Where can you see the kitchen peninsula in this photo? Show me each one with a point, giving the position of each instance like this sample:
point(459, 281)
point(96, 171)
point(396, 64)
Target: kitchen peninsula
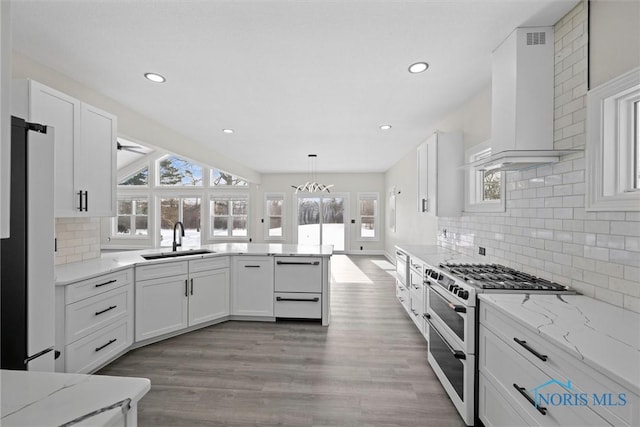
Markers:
point(124, 300)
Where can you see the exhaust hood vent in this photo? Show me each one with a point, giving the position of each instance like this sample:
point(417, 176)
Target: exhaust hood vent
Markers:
point(522, 102)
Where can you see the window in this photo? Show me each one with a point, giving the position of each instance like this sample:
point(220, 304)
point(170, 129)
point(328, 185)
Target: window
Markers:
point(132, 219)
point(138, 178)
point(229, 216)
point(613, 151)
point(274, 212)
point(174, 171)
point(484, 189)
point(220, 178)
point(184, 209)
point(368, 216)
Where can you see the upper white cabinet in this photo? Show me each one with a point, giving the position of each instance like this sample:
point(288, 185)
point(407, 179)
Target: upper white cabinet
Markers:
point(5, 116)
point(85, 148)
point(440, 178)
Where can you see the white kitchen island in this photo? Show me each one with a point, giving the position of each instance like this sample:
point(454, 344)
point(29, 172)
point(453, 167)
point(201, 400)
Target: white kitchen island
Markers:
point(54, 399)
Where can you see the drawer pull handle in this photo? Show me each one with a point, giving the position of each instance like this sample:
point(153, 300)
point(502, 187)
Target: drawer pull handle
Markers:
point(316, 299)
point(251, 266)
point(191, 286)
point(458, 354)
point(426, 316)
point(111, 341)
point(524, 344)
point(523, 391)
point(298, 263)
point(186, 288)
point(106, 283)
point(98, 313)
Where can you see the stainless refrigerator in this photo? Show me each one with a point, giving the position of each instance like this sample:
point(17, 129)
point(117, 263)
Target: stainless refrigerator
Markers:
point(27, 269)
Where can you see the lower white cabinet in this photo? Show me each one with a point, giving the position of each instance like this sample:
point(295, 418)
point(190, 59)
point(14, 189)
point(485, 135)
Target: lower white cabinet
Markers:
point(179, 294)
point(253, 286)
point(94, 321)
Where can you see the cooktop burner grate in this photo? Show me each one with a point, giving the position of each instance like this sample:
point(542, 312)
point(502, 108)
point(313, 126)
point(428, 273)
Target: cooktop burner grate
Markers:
point(496, 276)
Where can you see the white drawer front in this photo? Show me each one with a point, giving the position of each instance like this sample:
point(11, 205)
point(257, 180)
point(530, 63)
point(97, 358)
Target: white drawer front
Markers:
point(204, 264)
point(88, 353)
point(298, 274)
point(298, 305)
point(97, 285)
point(89, 315)
point(506, 369)
point(493, 409)
point(164, 269)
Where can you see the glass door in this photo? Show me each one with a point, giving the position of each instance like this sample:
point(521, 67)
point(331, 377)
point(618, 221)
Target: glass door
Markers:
point(321, 221)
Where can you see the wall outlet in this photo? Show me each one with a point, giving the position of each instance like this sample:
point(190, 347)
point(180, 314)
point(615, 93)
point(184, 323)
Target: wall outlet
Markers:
point(482, 251)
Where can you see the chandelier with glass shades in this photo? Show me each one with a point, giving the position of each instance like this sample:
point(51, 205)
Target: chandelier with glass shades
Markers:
point(312, 186)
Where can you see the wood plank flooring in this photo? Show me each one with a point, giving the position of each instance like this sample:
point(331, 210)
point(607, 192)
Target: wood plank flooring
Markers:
point(368, 368)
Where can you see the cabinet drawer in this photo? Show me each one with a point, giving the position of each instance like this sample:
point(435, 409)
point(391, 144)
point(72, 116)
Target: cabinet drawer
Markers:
point(86, 354)
point(493, 409)
point(204, 264)
point(164, 269)
point(560, 364)
point(89, 315)
point(298, 274)
point(298, 305)
point(90, 287)
point(506, 369)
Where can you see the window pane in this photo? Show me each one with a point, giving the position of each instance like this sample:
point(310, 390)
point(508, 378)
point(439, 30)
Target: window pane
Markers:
point(309, 221)
point(333, 222)
point(491, 186)
point(169, 214)
point(124, 225)
point(141, 226)
point(125, 207)
point(220, 207)
point(367, 226)
point(220, 226)
point(239, 226)
point(191, 220)
point(274, 207)
point(239, 207)
point(139, 178)
point(220, 178)
point(275, 227)
point(368, 207)
point(142, 207)
point(174, 171)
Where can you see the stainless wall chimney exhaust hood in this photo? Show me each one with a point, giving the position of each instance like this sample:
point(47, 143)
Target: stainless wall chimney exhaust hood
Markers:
point(522, 90)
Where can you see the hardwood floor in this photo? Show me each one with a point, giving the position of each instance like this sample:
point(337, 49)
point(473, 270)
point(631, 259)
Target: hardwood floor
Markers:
point(368, 368)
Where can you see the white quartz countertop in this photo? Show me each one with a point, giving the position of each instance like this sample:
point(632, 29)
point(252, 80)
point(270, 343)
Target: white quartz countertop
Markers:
point(603, 336)
point(51, 399)
point(114, 261)
point(434, 255)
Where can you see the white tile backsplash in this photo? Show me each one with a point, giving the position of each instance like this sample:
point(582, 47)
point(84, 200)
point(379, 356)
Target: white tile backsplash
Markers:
point(78, 239)
point(546, 230)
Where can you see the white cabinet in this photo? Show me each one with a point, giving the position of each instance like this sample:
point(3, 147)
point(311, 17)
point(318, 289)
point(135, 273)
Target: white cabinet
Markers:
point(298, 287)
point(440, 179)
point(253, 288)
point(5, 115)
point(175, 295)
point(85, 148)
point(94, 321)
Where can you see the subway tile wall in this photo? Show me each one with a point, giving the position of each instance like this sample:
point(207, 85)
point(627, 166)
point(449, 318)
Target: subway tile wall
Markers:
point(546, 230)
point(78, 239)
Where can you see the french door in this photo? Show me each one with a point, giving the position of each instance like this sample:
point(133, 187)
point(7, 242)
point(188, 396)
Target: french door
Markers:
point(321, 220)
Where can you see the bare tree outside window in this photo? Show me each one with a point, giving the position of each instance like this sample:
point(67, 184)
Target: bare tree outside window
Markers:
point(491, 185)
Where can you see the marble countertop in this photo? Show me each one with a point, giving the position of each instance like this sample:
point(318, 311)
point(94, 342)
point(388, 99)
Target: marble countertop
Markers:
point(52, 399)
point(433, 254)
point(603, 336)
point(114, 261)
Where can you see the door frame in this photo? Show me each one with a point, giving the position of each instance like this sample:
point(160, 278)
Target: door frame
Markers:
point(346, 204)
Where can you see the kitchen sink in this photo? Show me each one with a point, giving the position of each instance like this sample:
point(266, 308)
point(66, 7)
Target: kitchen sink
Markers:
point(161, 255)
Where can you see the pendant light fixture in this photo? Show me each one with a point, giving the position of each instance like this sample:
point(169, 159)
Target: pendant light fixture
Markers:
point(312, 185)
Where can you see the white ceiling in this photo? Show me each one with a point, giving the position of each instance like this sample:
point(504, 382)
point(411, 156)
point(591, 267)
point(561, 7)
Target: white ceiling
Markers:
point(290, 77)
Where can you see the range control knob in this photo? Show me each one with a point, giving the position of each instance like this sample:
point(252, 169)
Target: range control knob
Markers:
point(463, 294)
point(453, 288)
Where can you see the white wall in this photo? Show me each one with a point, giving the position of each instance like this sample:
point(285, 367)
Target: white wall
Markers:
point(546, 230)
point(351, 184)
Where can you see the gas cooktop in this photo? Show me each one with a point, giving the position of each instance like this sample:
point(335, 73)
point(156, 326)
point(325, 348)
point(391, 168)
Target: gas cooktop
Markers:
point(496, 276)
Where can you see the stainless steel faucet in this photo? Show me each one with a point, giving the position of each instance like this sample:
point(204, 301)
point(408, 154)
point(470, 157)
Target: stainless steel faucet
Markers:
point(175, 242)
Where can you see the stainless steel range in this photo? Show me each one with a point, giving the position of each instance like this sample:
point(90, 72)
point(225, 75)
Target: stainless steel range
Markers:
point(450, 312)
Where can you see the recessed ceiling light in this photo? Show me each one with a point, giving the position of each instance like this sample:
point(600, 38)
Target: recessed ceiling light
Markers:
point(156, 78)
point(227, 130)
point(418, 67)
point(385, 127)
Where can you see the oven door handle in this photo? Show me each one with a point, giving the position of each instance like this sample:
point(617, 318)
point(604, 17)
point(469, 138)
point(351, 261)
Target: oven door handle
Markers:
point(458, 354)
point(452, 306)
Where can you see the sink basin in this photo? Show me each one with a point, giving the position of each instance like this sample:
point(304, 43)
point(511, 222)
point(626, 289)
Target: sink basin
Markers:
point(161, 255)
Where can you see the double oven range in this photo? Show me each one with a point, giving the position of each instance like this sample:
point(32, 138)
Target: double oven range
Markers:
point(451, 316)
